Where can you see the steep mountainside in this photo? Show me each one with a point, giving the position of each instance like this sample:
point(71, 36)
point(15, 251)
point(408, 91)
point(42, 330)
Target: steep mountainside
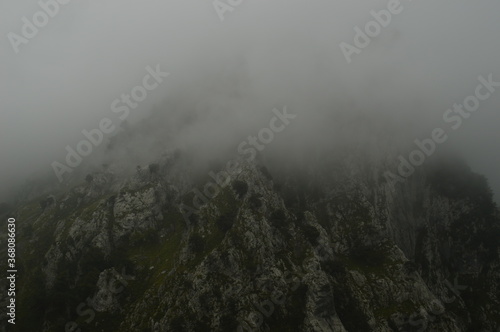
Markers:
point(344, 250)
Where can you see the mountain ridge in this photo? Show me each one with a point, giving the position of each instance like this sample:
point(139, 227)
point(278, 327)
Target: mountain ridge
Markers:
point(272, 251)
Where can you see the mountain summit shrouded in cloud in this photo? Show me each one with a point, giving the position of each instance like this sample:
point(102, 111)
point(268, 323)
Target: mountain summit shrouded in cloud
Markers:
point(235, 165)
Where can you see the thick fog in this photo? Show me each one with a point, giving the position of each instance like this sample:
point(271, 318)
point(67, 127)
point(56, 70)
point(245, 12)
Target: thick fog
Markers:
point(230, 63)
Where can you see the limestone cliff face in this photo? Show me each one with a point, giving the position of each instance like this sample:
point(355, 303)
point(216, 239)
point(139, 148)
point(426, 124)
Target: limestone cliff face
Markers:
point(348, 251)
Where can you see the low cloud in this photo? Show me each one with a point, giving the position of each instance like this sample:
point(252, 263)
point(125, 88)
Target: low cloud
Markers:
point(228, 75)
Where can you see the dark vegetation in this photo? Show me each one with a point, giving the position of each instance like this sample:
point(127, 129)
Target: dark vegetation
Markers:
point(333, 267)
point(46, 202)
point(311, 234)
point(455, 180)
point(278, 218)
point(255, 201)
point(153, 168)
point(197, 243)
point(89, 178)
point(369, 256)
point(225, 221)
point(290, 316)
point(241, 188)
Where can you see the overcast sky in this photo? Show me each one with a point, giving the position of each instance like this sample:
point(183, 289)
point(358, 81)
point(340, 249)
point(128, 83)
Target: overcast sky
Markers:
point(65, 78)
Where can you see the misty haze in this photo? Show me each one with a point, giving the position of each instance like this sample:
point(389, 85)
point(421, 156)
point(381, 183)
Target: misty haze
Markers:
point(235, 165)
